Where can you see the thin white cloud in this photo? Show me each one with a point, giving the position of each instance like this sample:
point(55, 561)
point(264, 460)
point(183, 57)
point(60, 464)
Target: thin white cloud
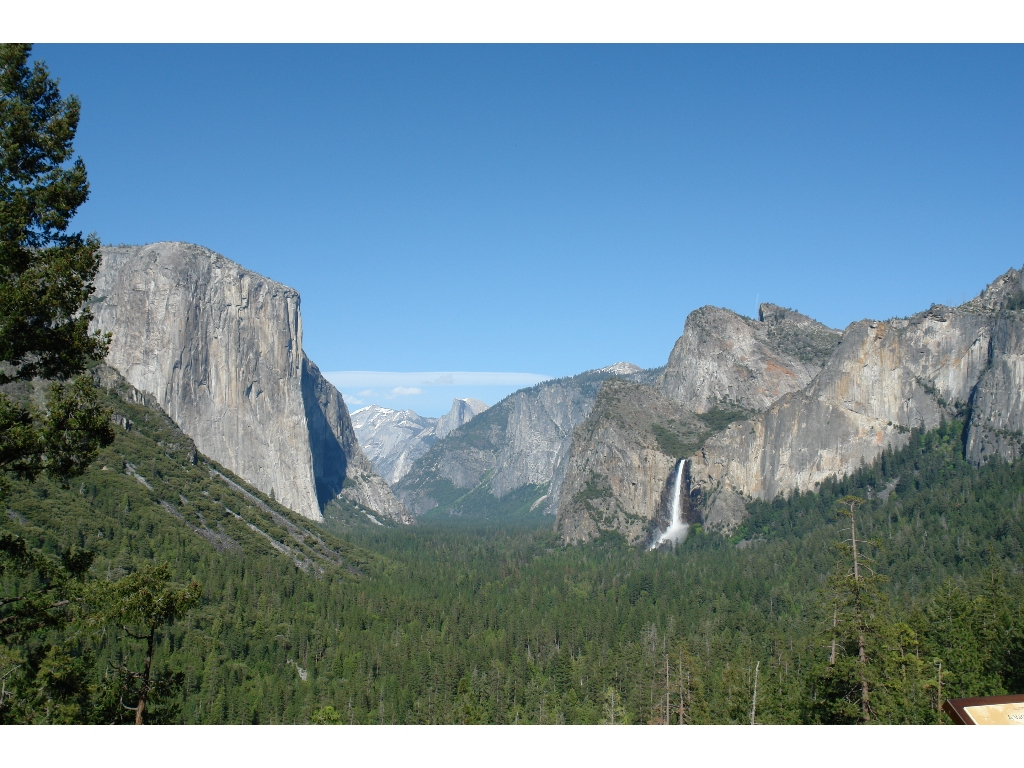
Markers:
point(394, 380)
point(397, 391)
point(352, 399)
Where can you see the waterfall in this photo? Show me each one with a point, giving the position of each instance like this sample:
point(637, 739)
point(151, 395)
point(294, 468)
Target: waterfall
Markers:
point(677, 527)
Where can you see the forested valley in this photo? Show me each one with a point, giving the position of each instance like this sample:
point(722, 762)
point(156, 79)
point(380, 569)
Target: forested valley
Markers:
point(479, 621)
point(142, 582)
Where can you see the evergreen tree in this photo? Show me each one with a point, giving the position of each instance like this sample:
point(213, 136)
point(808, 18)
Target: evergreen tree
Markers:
point(141, 604)
point(326, 716)
point(856, 624)
point(46, 279)
point(42, 679)
point(614, 713)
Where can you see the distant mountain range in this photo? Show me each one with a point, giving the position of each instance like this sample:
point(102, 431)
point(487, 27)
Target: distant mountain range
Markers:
point(509, 458)
point(393, 440)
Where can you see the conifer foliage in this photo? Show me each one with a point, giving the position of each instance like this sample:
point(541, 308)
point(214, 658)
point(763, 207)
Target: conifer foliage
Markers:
point(46, 276)
point(46, 280)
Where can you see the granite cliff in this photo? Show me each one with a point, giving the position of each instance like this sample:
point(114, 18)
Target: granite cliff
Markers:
point(623, 455)
point(393, 440)
point(723, 368)
point(787, 402)
point(220, 349)
point(884, 379)
point(726, 360)
point(462, 412)
point(512, 452)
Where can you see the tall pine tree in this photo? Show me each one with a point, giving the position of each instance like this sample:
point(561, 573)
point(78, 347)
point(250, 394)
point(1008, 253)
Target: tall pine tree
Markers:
point(46, 278)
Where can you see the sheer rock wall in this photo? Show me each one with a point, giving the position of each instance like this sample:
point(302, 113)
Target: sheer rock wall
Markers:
point(818, 403)
point(618, 472)
point(725, 359)
point(623, 457)
point(523, 440)
point(884, 379)
point(220, 348)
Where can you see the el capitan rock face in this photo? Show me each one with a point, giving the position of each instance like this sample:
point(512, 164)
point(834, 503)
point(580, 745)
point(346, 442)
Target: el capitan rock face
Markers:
point(220, 348)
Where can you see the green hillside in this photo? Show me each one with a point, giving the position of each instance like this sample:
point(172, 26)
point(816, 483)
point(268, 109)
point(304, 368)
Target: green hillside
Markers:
point(485, 620)
point(503, 625)
point(271, 580)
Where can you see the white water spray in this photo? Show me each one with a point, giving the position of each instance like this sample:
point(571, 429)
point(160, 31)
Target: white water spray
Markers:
point(677, 528)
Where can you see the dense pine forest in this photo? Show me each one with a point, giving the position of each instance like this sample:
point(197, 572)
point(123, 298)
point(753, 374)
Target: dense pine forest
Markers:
point(484, 621)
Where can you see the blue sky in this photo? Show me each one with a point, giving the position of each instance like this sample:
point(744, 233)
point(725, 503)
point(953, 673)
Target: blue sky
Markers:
point(554, 209)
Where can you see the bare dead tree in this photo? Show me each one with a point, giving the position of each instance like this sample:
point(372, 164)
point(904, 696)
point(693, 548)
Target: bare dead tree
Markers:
point(668, 694)
point(848, 505)
point(753, 703)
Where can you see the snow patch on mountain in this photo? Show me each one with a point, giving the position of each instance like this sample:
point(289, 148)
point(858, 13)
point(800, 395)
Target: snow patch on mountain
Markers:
point(393, 440)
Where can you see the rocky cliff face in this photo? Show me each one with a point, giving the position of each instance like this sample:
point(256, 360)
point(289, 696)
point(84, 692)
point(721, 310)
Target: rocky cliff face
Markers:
point(462, 412)
point(520, 442)
point(726, 360)
point(622, 461)
point(393, 440)
point(340, 467)
point(814, 407)
point(997, 405)
point(220, 348)
point(884, 379)
point(722, 368)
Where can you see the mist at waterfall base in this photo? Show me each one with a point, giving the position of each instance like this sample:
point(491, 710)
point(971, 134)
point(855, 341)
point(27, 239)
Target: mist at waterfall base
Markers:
point(677, 528)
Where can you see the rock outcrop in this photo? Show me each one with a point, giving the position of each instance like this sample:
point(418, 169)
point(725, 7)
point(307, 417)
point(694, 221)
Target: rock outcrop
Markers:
point(723, 368)
point(621, 464)
point(220, 348)
point(462, 412)
point(884, 379)
point(520, 442)
point(997, 404)
point(815, 405)
point(621, 369)
point(726, 360)
point(393, 440)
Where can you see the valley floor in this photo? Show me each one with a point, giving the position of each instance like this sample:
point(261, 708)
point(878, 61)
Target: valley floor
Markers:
point(475, 620)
